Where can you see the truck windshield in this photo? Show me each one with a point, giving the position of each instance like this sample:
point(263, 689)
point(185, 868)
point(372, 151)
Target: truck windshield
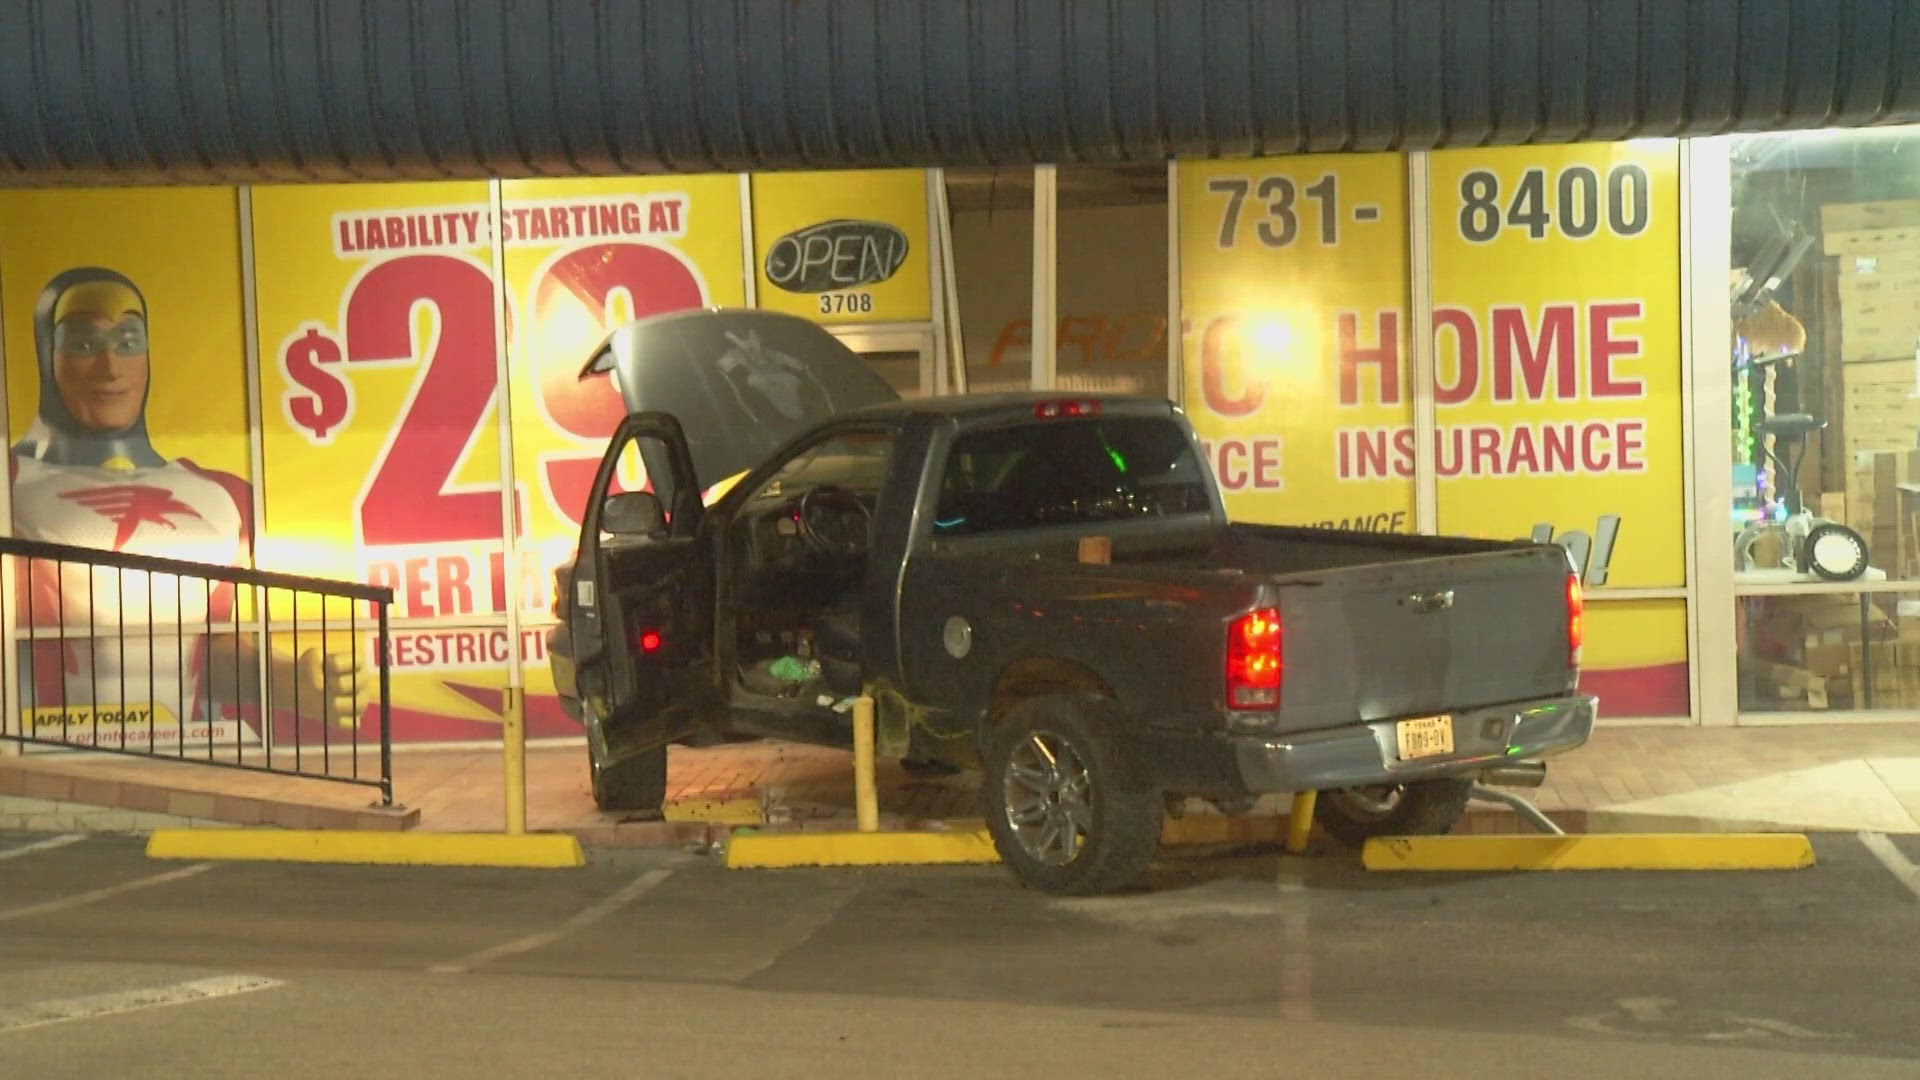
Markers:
point(1068, 472)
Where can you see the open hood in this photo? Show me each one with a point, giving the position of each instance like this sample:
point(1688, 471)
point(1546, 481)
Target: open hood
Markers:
point(741, 383)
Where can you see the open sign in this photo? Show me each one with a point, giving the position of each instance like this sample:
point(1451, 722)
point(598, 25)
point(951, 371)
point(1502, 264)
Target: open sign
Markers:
point(835, 255)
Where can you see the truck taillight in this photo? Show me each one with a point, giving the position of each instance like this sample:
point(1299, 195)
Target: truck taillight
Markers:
point(1253, 660)
point(1053, 410)
point(1576, 613)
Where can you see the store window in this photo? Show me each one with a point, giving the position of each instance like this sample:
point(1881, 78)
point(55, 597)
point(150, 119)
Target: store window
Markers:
point(1111, 241)
point(1826, 317)
point(1825, 416)
point(991, 212)
point(1848, 652)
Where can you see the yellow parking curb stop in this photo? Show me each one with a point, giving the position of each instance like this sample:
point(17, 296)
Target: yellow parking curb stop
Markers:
point(714, 811)
point(529, 850)
point(1591, 851)
point(772, 850)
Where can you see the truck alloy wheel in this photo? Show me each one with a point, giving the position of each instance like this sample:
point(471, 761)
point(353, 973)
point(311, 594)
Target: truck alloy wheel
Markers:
point(1415, 808)
point(1067, 811)
point(1048, 800)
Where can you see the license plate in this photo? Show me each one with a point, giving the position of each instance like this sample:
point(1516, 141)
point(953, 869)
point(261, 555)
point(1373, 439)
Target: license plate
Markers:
point(1427, 736)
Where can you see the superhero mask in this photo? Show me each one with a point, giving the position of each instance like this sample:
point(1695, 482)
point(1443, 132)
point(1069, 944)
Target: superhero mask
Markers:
point(94, 322)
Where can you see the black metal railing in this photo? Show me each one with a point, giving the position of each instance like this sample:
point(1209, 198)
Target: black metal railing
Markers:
point(218, 665)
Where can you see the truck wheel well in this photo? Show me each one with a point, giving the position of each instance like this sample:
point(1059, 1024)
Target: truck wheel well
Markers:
point(1039, 676)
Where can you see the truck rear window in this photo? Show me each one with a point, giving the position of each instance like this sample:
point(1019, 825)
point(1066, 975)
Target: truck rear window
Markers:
point(1068, 472)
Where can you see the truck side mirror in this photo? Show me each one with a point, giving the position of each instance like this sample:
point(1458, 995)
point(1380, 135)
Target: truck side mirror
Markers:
point(633, 513)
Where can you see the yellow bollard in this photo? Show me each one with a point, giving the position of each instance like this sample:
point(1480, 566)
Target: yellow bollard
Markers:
point(1300, 821)
point(513, 741)
point(866, 801)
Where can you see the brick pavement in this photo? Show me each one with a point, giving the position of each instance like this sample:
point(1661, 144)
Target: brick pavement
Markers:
point(1864, 776)
point(1814, 776)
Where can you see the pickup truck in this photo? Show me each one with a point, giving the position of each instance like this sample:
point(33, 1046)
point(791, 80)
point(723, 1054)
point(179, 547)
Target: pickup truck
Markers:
point(1048, 589)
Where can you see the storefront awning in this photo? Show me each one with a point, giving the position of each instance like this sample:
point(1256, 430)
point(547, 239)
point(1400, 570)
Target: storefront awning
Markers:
point(196, 90)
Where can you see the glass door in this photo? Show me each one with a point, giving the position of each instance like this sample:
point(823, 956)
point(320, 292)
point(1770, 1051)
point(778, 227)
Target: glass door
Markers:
point(901, 355)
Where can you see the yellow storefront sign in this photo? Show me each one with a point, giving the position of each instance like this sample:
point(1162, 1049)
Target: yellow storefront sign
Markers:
point(843, 247)
point(126, 398)
point(1556, 287)
point(381, 390)
point(566, 293)
point(1293, 286)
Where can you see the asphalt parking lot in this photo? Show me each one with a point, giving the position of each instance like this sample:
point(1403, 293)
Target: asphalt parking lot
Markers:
point(111, 963)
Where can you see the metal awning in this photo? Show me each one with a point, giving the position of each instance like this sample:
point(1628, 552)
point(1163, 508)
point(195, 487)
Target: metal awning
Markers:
point(93, 91)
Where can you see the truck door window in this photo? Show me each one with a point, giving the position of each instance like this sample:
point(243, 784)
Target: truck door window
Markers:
point(820, 503)
point(1068, 472)
point(631, 474)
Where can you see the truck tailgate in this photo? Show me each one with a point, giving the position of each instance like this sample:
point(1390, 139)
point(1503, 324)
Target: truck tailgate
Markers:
point(1423, 636)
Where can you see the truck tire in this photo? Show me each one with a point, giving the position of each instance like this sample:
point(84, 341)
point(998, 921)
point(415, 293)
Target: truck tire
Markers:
point(1068, 810)
point(1416, 808)
point(633, 783)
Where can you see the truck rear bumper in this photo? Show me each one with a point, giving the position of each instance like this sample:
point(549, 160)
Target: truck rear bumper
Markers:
point(1369, 753)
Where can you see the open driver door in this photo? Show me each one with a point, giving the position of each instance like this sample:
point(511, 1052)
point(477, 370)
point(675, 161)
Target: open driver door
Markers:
point(641, 613)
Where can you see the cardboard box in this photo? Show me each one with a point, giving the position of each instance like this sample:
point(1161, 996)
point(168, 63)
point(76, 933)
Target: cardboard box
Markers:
point(1830, 660)
point(1877, 264)
point(1844, 616)
point(1867, 216)
point(1873, 498)
point(1839, 694)
point(1861, 506)
point(1886, 338)
point(1878, 315)
point(1877, 418)
point(1891, 241)
point(1901, 371)
point(1893, 400)
point(1799, 623)
point(1877, 286)
point(1889, 471)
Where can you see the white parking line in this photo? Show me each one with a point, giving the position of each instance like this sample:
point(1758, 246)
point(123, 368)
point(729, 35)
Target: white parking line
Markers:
point(585, 918)
point(74, 901)
point(42, 845)
point(1894, 860)
point(42, 1013)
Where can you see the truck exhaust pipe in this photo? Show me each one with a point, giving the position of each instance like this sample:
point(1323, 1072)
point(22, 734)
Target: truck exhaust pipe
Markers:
point(1515, 774)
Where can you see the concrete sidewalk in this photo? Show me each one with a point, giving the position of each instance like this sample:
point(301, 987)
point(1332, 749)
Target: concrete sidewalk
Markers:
point(1811, 777)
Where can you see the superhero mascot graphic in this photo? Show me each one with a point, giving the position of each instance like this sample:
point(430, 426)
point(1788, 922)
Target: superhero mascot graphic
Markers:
point(135, 655)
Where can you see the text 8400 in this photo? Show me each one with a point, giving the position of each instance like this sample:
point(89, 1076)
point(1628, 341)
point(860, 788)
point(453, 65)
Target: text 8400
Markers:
point(1575, 207)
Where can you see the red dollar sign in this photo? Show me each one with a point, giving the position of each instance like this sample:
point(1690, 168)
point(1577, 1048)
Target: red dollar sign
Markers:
point(326, 404)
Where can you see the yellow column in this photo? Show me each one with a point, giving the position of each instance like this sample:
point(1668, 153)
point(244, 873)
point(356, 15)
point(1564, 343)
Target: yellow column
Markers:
point(1300, 821)
point(513, 719)
point(513, 738)
point(865, 799)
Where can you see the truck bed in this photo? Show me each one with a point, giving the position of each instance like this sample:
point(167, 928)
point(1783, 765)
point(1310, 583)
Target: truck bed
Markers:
point(1375, 626)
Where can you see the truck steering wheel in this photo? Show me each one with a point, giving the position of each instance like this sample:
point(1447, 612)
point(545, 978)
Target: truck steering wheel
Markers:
point(833, 520)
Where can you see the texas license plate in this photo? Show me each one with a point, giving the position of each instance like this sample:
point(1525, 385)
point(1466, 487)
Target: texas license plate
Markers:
point(1426, 736)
